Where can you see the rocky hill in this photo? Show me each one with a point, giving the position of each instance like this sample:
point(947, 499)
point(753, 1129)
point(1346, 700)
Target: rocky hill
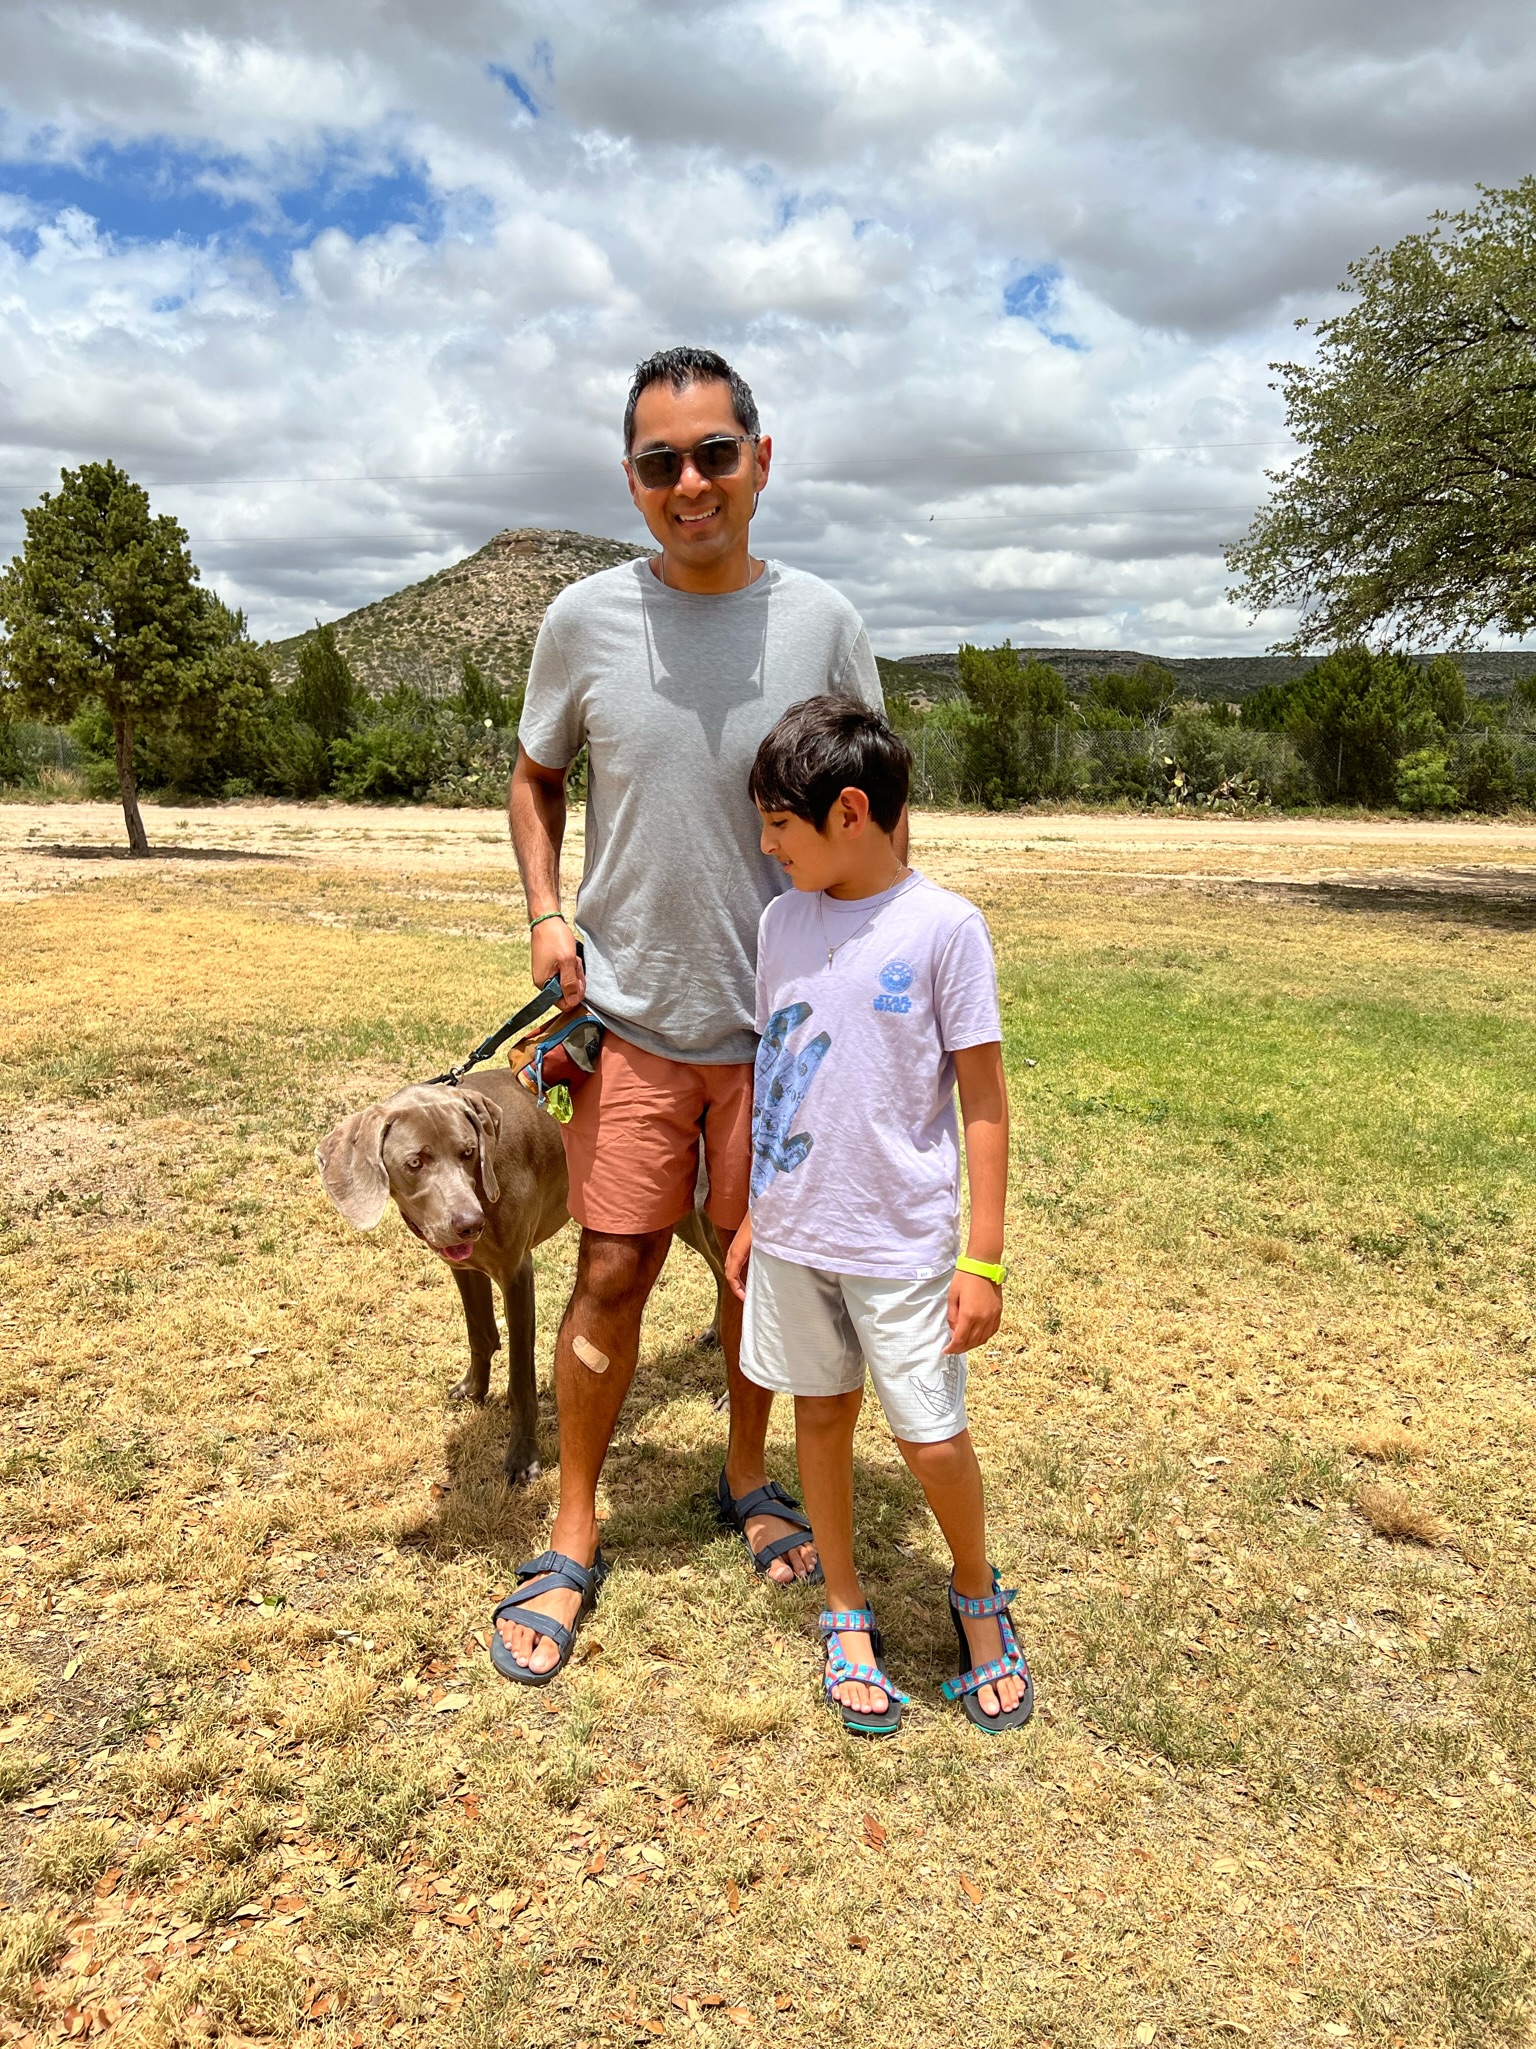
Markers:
point(488, 605)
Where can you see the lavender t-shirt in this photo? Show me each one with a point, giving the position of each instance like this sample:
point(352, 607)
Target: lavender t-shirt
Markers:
point(855, 1152)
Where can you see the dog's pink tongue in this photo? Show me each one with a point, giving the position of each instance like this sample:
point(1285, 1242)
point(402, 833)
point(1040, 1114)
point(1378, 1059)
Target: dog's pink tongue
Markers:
point(457, 1253)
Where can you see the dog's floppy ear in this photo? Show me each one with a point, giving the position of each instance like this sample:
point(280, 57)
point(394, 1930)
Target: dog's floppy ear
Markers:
point(487, 1116)
point(351, 1160)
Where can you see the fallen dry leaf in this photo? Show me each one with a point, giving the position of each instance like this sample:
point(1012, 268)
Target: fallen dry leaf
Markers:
point(874, 1833)
point(971, 1889)
point(733, 1896)
point(858, 1942)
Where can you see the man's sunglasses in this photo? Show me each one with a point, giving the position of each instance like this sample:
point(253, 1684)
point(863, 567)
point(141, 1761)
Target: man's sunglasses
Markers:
point(658, 469)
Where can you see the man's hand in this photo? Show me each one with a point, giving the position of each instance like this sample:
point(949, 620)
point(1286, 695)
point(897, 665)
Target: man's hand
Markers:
point(552, 946)
point(975, 1311)
point(738, 1252)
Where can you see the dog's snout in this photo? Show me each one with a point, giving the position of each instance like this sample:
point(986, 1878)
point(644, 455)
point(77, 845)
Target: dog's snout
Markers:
point(468, 1223)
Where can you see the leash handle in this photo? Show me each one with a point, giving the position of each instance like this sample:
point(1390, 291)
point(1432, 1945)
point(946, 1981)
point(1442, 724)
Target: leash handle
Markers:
point(548, 998)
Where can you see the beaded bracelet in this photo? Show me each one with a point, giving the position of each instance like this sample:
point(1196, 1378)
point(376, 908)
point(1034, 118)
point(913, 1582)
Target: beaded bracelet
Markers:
point(544, 917)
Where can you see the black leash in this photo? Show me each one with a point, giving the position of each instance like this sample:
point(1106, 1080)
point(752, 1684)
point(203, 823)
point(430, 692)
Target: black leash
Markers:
point(548, 998)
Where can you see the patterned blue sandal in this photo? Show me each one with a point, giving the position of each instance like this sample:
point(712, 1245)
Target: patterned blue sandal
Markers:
point(550, 1572)
point(770, 1500)
point(858, 1721)
point(971, 1678)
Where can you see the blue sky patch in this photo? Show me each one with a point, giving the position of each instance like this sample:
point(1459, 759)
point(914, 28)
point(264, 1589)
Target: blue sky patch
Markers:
point(157, 192)
point(1032, 297)
point(514, 85)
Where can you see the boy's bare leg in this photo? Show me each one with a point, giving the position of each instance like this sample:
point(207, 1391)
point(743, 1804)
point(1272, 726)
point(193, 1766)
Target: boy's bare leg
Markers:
point(614, 1278)
point(824, 1427)
point(949, 1475)
point(745, 1468)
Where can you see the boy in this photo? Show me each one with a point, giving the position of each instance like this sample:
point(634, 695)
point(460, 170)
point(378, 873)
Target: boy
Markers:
point(876, 995)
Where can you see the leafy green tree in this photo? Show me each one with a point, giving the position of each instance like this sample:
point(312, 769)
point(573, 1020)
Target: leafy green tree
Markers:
point(104, 603)
point(325, 694)
point(1349, 719)
point(1147, 694)
point(1012, 735)
point(1410, 515)
point(480, 702)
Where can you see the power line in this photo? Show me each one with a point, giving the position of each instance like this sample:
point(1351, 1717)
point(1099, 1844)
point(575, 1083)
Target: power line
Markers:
point(566, 468)
point(1060, 517)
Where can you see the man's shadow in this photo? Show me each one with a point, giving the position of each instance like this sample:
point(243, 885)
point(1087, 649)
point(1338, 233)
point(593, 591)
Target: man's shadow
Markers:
point(662, 1509)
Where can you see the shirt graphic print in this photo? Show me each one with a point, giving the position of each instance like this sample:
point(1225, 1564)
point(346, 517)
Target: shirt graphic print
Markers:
point(778, 1089)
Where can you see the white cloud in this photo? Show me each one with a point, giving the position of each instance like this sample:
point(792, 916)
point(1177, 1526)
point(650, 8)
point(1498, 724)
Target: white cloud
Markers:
point(330, 246)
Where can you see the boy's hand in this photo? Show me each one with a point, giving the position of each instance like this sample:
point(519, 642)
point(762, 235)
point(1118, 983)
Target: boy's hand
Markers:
point(738, 1252)
point(975, 1310)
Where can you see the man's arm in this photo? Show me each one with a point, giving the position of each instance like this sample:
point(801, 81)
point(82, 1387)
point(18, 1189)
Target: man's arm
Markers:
point(536, 815)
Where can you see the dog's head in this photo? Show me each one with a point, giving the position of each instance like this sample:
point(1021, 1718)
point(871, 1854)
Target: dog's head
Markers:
point(431, 1148)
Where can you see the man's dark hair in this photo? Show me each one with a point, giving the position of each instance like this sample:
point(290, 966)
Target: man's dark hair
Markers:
point(824, 746)
point(682, 367)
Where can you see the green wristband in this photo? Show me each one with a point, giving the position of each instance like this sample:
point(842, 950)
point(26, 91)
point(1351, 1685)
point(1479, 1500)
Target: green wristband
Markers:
point(544, 917)
point(996, 1274)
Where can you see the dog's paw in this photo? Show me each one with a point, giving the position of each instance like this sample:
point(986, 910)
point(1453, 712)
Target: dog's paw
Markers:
point(469, 1390)
point(708, 1340)
point(521, 1471)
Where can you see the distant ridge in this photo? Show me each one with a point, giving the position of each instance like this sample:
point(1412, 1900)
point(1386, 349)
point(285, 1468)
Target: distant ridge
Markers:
point(1217, 679)
point(488, 605)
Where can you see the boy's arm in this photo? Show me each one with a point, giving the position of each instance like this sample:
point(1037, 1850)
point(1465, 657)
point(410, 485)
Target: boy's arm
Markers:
point(737, 1253)
point(976, 1304)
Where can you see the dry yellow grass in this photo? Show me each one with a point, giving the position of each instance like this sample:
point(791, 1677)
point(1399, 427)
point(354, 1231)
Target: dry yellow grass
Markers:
point(1273, 1184)
point(1398, 1517)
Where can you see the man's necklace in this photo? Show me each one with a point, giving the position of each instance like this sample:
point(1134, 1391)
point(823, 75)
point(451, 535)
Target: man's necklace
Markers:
point(837, 946)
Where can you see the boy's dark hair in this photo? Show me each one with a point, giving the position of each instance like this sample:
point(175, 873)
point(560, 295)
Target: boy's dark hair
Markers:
point(682, 367)
point(824, 746)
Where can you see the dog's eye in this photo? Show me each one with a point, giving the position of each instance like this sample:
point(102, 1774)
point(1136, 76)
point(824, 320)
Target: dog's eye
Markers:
point(413, 1164)
point(468, 1153)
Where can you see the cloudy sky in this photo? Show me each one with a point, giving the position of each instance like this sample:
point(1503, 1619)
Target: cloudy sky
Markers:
point(352, 286)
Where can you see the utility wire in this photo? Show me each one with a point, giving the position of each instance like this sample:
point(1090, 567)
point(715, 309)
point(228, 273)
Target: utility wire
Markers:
point(585, 464)
point(1087, 517)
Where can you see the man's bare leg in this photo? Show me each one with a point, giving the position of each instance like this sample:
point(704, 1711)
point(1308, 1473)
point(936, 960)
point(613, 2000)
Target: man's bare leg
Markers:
point(614, 1278)
point(744, 1450)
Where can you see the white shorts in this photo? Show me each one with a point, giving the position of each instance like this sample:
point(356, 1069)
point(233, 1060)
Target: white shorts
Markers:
point(812, 1333)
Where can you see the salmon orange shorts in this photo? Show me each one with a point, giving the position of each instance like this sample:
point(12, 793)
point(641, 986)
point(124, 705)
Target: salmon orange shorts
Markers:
point(632, 1145)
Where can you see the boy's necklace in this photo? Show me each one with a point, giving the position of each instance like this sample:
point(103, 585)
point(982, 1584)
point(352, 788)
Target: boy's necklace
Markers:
point(821, 912)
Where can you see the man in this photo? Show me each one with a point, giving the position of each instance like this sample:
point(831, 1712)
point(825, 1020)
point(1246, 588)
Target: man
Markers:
point(670, 671)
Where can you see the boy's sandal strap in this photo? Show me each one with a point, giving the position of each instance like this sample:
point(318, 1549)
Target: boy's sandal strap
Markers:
point(833, 1621)
point(995, 1603)
point(840, 1670)
point(1010, 1667)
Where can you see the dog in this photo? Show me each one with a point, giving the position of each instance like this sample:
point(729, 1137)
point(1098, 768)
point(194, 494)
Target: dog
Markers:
point(478, 1173)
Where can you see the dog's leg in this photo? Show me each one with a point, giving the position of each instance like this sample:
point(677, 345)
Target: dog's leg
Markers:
point(696, 1230)
point(484, 1338)
point(522, 1376)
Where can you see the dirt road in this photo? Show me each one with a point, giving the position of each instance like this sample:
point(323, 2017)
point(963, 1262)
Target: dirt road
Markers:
point(50, 846)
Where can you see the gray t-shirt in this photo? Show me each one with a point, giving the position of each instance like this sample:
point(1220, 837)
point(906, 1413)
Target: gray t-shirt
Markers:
point(672, 694)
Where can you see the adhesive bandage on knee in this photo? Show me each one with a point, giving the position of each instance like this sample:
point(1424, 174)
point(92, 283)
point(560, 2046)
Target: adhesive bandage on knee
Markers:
point(590, 1357)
